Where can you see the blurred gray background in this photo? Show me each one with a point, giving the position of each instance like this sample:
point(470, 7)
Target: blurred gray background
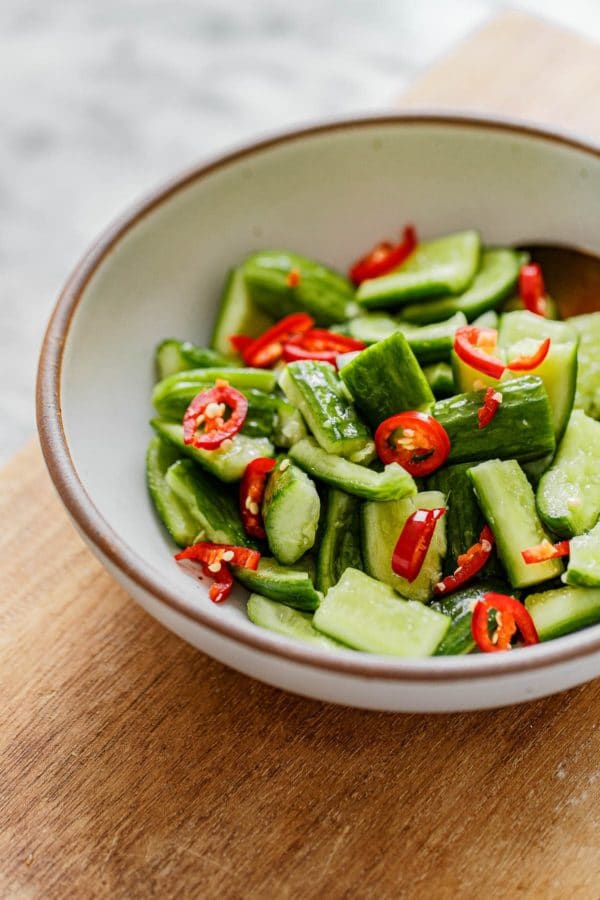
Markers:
point(99, 101)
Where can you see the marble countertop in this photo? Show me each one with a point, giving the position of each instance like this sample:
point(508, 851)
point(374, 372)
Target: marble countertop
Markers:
point(101, 101)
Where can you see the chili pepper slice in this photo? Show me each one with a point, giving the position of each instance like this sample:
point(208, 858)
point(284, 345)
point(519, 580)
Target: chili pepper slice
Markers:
point(532, 290)
point(222, 582)
point(526, 363)
point(510, 617)
point(214, 559)
point(491, 403)
point(293, 279)
point(412, 545)
point(545, 550)
point(384, 257)
point(415, 440)
point(207, 411)
point(252, 491)
point(268, 348)
point(475, 346)
point(240, 342)
point(469, 564)
point(318, 343)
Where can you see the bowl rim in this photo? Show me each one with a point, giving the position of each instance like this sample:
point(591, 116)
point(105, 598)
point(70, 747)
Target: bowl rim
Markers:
point(103, 538)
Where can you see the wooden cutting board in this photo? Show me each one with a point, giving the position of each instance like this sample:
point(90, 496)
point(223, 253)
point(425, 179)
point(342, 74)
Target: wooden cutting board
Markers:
point(134, 766)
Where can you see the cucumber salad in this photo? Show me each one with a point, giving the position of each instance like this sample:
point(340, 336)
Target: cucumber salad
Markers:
point(404, 460)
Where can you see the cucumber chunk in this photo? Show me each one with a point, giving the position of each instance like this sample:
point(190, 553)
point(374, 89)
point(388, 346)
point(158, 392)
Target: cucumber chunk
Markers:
point(290, 426)
point(587, 396)
point(178, 518)
point(290, 511)
point(583, 568)
point(174, 356)
point(291, 585)
point(324, 294)
point(289, 622)
point(445, 265)
point(261, 418)
point(237, 315)
point(440, 379)
point(519, 324)
point(386, 379)
point(433, 343)
point(339, 544)
point(459, 606)
point(173, 391)
point(508, 504)
point(521, 429)
point(315, 389)
point(563, 610)
point(381, 526)
point(370, 327)
point(392, 483)
point(494, 281)
point(227, 463)
point(489, 319)
point(214, 508)
point(568, 495)
point(368, 615)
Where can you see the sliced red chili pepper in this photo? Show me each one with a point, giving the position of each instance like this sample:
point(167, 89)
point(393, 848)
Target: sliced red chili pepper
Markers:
point(268, 348)
point(222, 582)
point(532, 290)
point(469, 564)
point(252, 491)
point(510, 616)
point(412, 545)
point(318, 343)
point(293, 279)
point(384, 257)
point(214, 560)
point(545, 550)
point(526, 363)
point(240, 342)
point(475, 346)
point(491, 403)
point(415, 440)
point(207, 411)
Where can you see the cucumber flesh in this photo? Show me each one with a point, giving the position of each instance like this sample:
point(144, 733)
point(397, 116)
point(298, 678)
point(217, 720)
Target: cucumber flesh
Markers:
point(339, 543)
point(587, 396)
point(227, 463)
point(440, 379)
point(289, 425)
point(519, 324)
point(178, 518)
point(371, 327)
point(459, 606)
point(568, 495)
point(445, 265)
point(563, 610)
point(489, 319)
point(381, 526)
point(393, 482)
point(583, 568)
point(507, 501)
point(290, 623)
point(367, 615)
point(290, 511)
point(237, 315)
point(291, 585)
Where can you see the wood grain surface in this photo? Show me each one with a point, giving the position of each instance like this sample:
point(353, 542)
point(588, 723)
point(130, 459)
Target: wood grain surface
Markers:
point(134, 766)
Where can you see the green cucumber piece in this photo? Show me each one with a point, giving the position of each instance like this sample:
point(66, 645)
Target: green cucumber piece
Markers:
point(386, 379)
point(508, 504)
point(176, 388)
point(459, 607)
point(368, 615)
point(237, 315)
point(489, 319)
point(392, 483)
point(290, 511)
point(563, 610)
point(339, 540)
point(587, 396)
point(324, 294)
point(370, 327)
point(583, 568)
point(228, 463)
point(289, 622)
point(291, 585)
point(290, 426)
point(433, 343)
point(445, 265)
point(215, 509)
point(178, 518)
point(382, 524)
point(468, 379)
point(519, 324)
point(261, 418)
point(494, 281)
point(316, 390)
point(568, 495)
point(440, 380)
point(521, 429)
point(174, 356)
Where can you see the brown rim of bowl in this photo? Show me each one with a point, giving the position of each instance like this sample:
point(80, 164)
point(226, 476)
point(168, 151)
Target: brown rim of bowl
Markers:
point(102, 537)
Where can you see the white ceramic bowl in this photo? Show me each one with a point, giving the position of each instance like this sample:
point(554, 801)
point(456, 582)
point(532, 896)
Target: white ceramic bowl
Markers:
point(328, 192)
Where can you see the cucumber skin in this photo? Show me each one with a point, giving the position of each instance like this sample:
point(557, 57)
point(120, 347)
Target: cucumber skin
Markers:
point(587, 395)
point(176, 517)
point(521, 429)
point(440, 379)
point(197, 380)
point(237, 314)
point(386, 379)
point(433, 343)
point(173, 356)
point(459, 606)
point(339, 539)
point(298, 592)
point(564, 610)
point(290, 539)
point(291, 623)
point(324, 294)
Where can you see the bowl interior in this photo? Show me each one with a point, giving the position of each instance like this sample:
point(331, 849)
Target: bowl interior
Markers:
point(329, 194)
